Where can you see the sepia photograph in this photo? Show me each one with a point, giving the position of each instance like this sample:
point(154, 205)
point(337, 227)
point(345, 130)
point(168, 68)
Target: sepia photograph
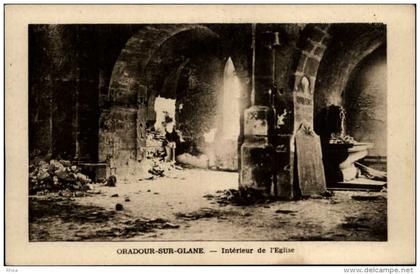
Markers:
point(209, 134)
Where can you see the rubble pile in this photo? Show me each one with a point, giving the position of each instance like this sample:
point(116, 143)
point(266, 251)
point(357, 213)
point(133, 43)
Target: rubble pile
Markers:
point(156, 168)
point(55, 176)
point(155, 163)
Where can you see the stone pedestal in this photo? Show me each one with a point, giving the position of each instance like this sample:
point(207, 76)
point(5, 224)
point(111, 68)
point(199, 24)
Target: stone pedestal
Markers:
point(256, 172)
point(281, 155)
point(256, 151)
point(283, 168)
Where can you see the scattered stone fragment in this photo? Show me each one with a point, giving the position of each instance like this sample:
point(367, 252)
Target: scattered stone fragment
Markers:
point(202, 213)
point(236, 197)
point(119, 207)
point(115, 195)
point(148, 190)
point(285, 211)
point(79, 194)
point(332, 201)
point(127, 199)
point(170, 225)
point(206, 212)
point(82, 178)
point(328, 193)
point(65, 163)
point(111, 181)
point(316, 196)
point(156, 193)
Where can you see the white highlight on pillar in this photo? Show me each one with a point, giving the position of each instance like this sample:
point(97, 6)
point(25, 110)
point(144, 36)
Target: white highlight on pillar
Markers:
point(231, 95)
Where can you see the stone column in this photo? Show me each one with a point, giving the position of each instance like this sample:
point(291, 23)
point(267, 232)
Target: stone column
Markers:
point(280, 155)
point(256, 151)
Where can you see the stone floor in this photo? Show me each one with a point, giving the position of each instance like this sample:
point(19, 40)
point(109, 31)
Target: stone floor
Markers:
point(180, 207)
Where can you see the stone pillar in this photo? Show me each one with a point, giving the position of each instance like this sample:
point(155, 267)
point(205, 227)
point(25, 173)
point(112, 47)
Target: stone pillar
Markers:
point(280, 155)
point(256, 151)
point(141, 120)
point(53, 82)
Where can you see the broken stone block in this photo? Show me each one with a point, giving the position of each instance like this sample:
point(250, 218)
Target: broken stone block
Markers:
point(64, 175)
point(82, 178)
point(55, 165)
point(169, 225)
point(119, 207)
point(285, 211)
point(111, 181)
point(65, 163)
point(42, 175)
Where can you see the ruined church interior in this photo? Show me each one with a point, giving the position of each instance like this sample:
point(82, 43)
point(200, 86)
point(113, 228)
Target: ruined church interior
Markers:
point(208, 132)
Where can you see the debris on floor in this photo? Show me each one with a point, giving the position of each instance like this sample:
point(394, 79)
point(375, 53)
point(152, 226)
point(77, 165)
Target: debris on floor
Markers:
point(61, 219)
point(250, 196)
point(111, 181)
point(119, 207)
point(199, 214)
point(368, 197)
point(156, 163)
point(95, 218)
point(357, 223)
point(286, 211)
point(156, 168)
point(236, 197)
point(206, 212)
point(55, 176)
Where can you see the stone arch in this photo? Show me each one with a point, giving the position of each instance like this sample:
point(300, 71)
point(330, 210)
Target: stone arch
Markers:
point(310, 50)
point(364, 101)
point(129, 73)
point(122, 127)
point(350, 44)
point(311, 43)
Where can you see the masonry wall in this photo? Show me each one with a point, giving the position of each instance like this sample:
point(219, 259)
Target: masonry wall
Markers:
point(53, 82)
point(69, 71)
point(365, 101)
